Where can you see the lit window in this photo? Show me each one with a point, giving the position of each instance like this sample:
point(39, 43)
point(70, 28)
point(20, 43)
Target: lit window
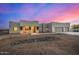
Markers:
point(15, 29)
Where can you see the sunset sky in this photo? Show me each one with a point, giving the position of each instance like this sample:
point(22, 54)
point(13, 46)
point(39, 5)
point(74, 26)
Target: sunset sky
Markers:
point(42, 12)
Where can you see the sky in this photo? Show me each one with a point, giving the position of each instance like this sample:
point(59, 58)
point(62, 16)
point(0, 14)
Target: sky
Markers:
point(42, 12)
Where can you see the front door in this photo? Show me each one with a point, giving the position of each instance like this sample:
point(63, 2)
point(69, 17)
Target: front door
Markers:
point(26, 29)
point(34, 29)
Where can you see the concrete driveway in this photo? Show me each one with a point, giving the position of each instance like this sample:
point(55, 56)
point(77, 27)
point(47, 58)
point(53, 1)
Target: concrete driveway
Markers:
point(71, 33)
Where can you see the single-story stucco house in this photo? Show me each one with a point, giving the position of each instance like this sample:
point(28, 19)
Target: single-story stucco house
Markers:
point(36, 27)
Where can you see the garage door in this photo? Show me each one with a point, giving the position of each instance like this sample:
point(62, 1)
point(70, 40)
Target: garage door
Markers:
point(58, 29)
point(66, 29)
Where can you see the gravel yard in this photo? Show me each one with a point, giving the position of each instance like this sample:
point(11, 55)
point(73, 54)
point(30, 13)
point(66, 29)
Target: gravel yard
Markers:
point(43, 44)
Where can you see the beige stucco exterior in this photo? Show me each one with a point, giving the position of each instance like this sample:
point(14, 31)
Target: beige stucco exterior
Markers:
point(36, 27)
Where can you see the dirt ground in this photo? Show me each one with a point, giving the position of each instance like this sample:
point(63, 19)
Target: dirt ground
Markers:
point(44, 44)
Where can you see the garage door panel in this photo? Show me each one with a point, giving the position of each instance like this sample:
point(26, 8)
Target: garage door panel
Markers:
point(58, 29)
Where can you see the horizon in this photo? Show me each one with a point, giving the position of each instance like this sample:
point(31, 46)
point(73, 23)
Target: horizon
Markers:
point(42, 12)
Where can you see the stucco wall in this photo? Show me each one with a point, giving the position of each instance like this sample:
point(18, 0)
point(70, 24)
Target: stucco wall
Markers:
point(12, 25)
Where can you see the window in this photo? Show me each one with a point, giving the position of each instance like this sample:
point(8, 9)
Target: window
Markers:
point(37, 28)
point(21, 28)
point(29, 28)
point(15, 29)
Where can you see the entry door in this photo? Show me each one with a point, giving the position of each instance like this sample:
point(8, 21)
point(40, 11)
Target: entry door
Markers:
point(26, 29)
point(34, 29)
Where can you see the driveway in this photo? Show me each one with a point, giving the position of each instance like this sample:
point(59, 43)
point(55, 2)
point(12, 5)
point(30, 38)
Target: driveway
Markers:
point(71, 33)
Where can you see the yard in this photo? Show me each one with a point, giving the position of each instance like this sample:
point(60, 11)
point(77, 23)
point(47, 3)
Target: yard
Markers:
point(43, 44)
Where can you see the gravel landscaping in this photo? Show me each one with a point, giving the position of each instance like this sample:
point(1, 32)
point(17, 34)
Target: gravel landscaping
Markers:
point(44, 44)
